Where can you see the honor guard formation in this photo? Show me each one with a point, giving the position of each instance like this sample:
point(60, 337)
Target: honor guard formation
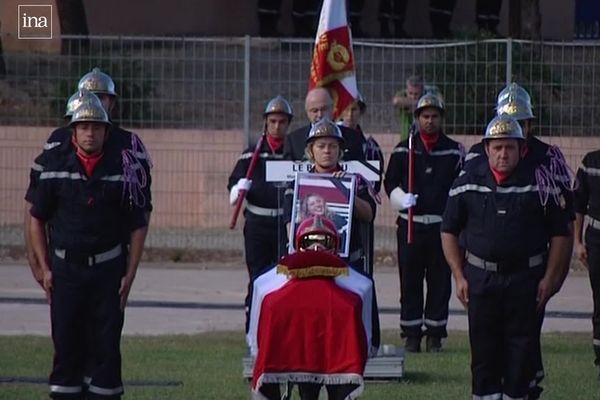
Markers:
point(501, 220)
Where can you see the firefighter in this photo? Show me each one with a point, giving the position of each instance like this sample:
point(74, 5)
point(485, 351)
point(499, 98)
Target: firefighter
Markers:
point(319, 105)
point(268, 17)
point(372, 152)
point(57, 136)
point(100, 84)
point(324, 148)
point(552, 172)
point(515, 250)
point(587, 247)
point(264, 230)
point(438, 160)
point(83, 199)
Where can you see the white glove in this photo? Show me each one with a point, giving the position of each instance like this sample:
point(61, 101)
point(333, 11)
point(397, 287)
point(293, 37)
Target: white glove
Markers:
point(233, 195)
point(409, 200)
point(400, 200)
point(244, 184)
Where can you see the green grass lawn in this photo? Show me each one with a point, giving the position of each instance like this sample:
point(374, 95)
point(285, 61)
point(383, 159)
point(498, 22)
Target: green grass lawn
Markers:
point(209, 367)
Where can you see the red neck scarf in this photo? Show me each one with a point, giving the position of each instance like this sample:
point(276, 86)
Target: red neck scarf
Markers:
point(88, 161)
point(429, 140)
point(275, 143)
point(499, 176)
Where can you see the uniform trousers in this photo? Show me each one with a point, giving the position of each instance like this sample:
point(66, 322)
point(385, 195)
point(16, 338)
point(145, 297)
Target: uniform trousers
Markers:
point(423, 259)
point(85, 299)
point(503, 330)
point(592, 241)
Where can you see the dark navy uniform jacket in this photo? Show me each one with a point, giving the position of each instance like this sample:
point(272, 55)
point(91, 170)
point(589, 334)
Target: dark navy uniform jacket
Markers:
point(587, 193)
point(86, 215)
point(118, 138)
point(434, 173)
point(262, 193)
point(295, 144)
point(545, 157)
point(505, 222)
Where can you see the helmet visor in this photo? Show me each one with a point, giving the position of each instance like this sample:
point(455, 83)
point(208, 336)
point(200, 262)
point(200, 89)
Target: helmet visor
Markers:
point(317, 241)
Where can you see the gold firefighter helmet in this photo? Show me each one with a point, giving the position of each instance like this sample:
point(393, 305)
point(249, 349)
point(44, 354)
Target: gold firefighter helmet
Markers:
point(429, 100)
point(78, 98)
point(324, 128)
point(97, 82)
point(279, 105)
point(503, 127)
point(90, 112)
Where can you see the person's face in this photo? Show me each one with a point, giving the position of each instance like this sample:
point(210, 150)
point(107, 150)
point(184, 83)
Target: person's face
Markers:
point(503, 154)
point(318, 106)
point(430, 120)
point(90, 136)
point(315, 205)
point(326, 152)
point(108, 102)
point(351, 116)
point(414, 92)
point(277, 124)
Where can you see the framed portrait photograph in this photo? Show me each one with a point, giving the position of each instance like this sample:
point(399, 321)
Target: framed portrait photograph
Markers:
point(332, 198)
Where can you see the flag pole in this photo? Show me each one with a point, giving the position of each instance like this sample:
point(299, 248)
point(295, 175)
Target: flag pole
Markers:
point(411, 178)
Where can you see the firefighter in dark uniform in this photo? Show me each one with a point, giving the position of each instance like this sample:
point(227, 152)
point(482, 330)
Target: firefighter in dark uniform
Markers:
point(587, 249)
point(85, 201)
point(372, 152)
point(515, 250)
point(134, 157)
point(438, 160)
point(305, 15)
point(268, 17)
point(392, 13)
point(319, 105)
point(324, 148)
point(264, 229)
point(56, 137)
point(552, 171)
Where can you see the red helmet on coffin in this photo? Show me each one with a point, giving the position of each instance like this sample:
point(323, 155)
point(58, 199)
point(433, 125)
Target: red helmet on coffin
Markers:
point(317, 234)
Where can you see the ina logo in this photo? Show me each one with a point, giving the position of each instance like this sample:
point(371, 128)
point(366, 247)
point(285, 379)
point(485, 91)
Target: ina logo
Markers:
point(35, 21)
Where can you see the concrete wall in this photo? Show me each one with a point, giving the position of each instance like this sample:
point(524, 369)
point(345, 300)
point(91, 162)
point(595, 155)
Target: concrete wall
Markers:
point(190, 172)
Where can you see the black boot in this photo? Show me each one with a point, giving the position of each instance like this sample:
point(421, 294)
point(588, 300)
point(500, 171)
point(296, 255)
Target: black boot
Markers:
point(413, 344)
point(433, 344)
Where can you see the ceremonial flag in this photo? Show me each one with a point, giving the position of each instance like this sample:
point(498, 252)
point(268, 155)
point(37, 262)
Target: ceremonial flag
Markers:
point(332, 64)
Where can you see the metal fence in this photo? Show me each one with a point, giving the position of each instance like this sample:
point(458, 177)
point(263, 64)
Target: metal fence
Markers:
point(205, 85)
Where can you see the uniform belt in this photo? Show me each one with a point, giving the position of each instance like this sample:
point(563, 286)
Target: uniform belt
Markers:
point(594, 223)
point(506, 266)
point(87, 259)
point(265, 212)
point(424, 219)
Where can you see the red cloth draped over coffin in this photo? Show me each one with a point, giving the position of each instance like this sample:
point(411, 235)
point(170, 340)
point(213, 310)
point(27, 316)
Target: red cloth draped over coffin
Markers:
point(310, 328)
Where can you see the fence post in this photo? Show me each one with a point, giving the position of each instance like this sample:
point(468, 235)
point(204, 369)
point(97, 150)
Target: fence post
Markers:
point(246, 91)
point(508, 61)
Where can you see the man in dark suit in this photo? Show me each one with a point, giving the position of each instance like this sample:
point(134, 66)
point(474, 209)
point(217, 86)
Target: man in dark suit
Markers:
point(319, 105)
